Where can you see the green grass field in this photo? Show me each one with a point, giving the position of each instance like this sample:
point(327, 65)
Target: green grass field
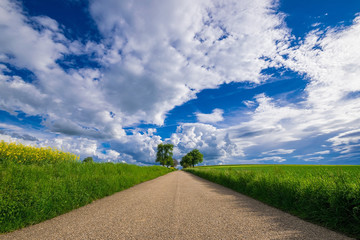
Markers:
point(326, 195)
point(39, 184)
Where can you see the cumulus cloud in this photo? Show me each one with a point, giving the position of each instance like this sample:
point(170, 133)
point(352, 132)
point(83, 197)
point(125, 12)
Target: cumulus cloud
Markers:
point(22, 45)
point(70, 100)
point(15, 92)
point(157, 56)
point(168, 51)
point(140, 145)
point(215, 116)
point(154, 57)
point(214, 143)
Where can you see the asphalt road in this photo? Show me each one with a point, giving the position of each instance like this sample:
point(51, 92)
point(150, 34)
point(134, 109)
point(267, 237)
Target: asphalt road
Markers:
point(178, 205)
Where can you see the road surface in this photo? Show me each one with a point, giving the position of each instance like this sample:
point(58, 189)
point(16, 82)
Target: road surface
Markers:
point(178, 205)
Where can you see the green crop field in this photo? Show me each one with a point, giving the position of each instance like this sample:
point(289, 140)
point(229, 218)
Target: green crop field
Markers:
point(40, 183)
point(327, 195)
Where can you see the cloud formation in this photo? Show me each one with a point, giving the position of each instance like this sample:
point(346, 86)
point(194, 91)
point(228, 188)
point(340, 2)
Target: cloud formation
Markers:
point(278, 152)
point(169, 51)
point(214, 117)
point(152, 58)
point(214, 143)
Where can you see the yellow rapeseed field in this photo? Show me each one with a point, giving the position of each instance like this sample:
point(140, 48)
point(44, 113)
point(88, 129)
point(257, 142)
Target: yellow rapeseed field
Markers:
point(19, 153)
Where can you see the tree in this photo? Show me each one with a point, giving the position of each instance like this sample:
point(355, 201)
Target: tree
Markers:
point(186, 161)
point(88, 160)
point(175, 163)
point(164, 154)
point(197, 157)
point(192, 158)
point(170, 162)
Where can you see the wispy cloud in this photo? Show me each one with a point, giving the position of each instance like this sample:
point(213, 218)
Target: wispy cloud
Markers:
point(278, 152)
point(152, 58)
point(9, 127)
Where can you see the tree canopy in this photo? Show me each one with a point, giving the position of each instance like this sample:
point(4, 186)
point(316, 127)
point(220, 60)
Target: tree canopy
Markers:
point(192, 158)
point(186, 161)
point(164, 154)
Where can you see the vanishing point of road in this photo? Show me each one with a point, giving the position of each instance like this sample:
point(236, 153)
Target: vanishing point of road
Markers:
point(180, 206)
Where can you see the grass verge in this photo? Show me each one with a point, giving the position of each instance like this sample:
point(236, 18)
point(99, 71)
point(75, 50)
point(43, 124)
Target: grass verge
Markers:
point(33, 192)
point(326, 195)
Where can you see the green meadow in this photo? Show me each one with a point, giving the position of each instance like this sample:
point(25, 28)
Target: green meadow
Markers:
point(40, 183)
point(327, 195)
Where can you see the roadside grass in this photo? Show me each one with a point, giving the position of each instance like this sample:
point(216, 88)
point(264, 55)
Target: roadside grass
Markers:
point(32, 191)
point(326, 195)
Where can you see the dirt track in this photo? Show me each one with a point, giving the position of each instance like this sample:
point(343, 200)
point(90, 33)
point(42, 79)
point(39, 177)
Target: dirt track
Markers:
point(175, 206)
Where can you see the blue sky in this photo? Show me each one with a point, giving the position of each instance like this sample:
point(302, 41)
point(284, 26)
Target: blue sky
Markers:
point(249, 81)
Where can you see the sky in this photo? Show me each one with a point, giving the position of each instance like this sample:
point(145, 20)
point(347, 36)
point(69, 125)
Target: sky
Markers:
point(243, 81)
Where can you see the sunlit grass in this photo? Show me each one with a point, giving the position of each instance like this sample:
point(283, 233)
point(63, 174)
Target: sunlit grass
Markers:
point(35, 189)
point(328, 195)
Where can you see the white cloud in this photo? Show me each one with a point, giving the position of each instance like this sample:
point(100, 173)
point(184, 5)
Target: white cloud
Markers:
point(24, 46)
point(315, 156)
point(160, 56)
point(331, 59)
point(10, 127)
point(331, 104)
point(346, 138)
point(321, 152)
point(79, 146)
point(115, 157)
point(17, 94)
point(155, 57)
point(141, 146)
point(167, 51)
point(278, 152)
point(268, 124)
point(8, 138)
point(313, 159)
point(4, 68)
point(83, 147)
point(331, 100)
point(72, 101)
point(346, 142)
point(249, 103)
point(214, 143)
point(215, 116)
point(272, 158)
